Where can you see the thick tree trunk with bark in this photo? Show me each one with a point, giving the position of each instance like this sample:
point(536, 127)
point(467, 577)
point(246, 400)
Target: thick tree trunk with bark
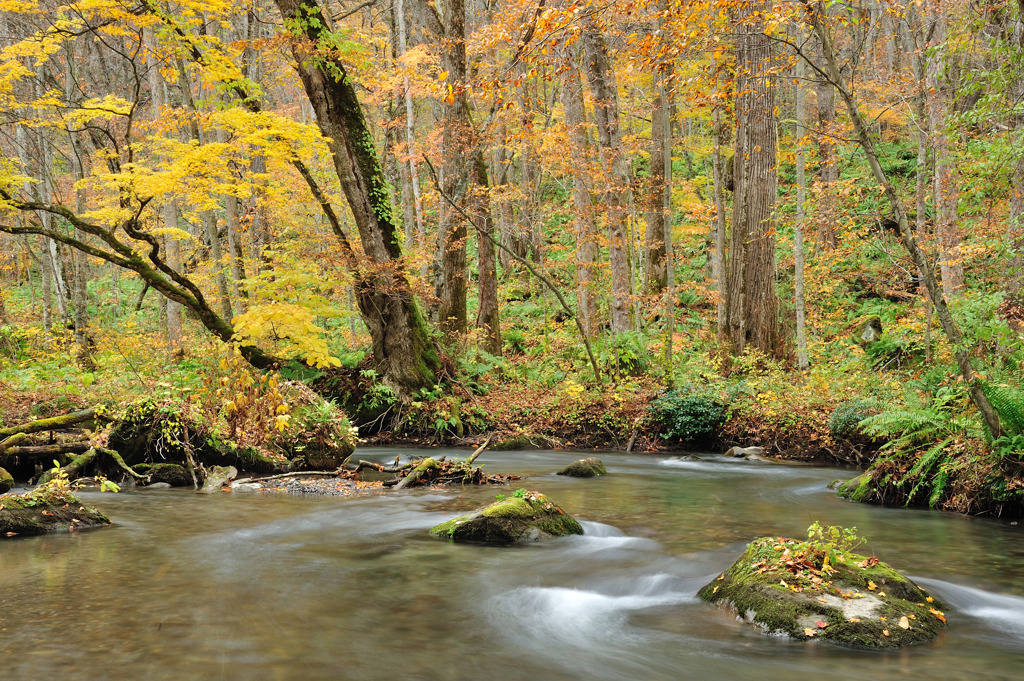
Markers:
point(402, 347)
point(752, 303)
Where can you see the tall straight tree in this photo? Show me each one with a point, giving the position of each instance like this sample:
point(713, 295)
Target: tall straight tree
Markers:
point(601, 78)
point(586, 231)
point(456, 145)
point(752, 304)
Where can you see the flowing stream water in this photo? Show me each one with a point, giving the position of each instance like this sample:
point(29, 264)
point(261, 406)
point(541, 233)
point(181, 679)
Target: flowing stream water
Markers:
point(247, 586)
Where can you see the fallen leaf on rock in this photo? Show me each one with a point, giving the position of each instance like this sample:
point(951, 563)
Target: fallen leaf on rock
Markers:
point(809, 632)
point(853, 619)
point(885, 632)
point(938, 613)
point(871, 585)
point(930, 599)
point(820, 624)
point(904, 623)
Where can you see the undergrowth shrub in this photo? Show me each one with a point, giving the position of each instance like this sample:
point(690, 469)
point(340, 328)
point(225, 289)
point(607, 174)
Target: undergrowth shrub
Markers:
point(690, 414)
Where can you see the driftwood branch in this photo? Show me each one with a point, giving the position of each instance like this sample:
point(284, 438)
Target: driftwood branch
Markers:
point(480, 449)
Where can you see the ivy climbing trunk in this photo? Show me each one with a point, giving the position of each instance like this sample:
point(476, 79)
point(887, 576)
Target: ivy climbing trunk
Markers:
point(406, 356)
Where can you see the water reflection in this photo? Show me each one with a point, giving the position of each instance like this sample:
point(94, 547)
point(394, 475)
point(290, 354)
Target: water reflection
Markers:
point(257, 587)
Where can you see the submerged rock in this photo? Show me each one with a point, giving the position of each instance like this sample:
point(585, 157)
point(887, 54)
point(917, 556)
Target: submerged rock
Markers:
point(801, 590)
point(524, 517)
point(585, 468)
point(46, 511)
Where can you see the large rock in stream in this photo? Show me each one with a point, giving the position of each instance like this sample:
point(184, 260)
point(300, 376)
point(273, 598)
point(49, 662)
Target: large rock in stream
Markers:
point(585, 468)
point(524, 517)
point(45, 511)
point(795, 588)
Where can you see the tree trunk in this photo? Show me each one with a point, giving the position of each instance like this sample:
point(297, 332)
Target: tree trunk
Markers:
point(456, 145)
point(586, 232)
point(601, 78)
point(487, 309)
point(170, 217)
point(801, 217)
point(752, 302)
point(403, 350)
point(719, 227)
point(828, 166)
point(657, 217)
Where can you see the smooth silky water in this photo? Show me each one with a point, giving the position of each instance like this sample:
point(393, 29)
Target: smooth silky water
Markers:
point(247, 586)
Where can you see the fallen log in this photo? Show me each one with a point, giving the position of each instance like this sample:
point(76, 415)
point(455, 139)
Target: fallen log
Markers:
point(37, 451)
point(428, 464)
point(54, 423)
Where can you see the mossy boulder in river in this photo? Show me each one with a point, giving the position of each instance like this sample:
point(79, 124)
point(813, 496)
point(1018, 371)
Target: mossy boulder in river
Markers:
point(45, 510)
point(524, 517)
point(585, 468)
point(6, 481)
point(813, 589)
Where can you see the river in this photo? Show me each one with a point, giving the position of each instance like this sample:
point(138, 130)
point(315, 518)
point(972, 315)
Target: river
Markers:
point(254, 587)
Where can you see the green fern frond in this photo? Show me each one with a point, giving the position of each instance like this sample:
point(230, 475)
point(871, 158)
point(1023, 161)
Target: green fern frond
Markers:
point(939, 486)
point(1009, 404)
point(924, 466)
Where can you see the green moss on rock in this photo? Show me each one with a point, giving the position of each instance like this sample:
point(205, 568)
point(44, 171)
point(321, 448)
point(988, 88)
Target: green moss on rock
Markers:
point(517, 442)
point(585, 468)
point(855, 600)
point(531, 516)
point(171, 473)
point(46, 510)
point(6, 481)
point(857, 489)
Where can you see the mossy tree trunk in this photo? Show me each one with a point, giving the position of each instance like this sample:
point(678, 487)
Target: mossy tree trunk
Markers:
point(406, 355)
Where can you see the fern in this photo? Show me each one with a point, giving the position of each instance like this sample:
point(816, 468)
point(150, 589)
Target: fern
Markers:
point(925, 466)
point(1009, 404)
point(938, 486)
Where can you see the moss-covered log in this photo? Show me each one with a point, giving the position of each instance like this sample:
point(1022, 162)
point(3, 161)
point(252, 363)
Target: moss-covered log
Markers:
point(63, 422)
point(525, 517)
point(855, 600)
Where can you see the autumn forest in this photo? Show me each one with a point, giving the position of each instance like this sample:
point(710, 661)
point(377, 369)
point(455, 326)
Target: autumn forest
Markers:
point(637, 225)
